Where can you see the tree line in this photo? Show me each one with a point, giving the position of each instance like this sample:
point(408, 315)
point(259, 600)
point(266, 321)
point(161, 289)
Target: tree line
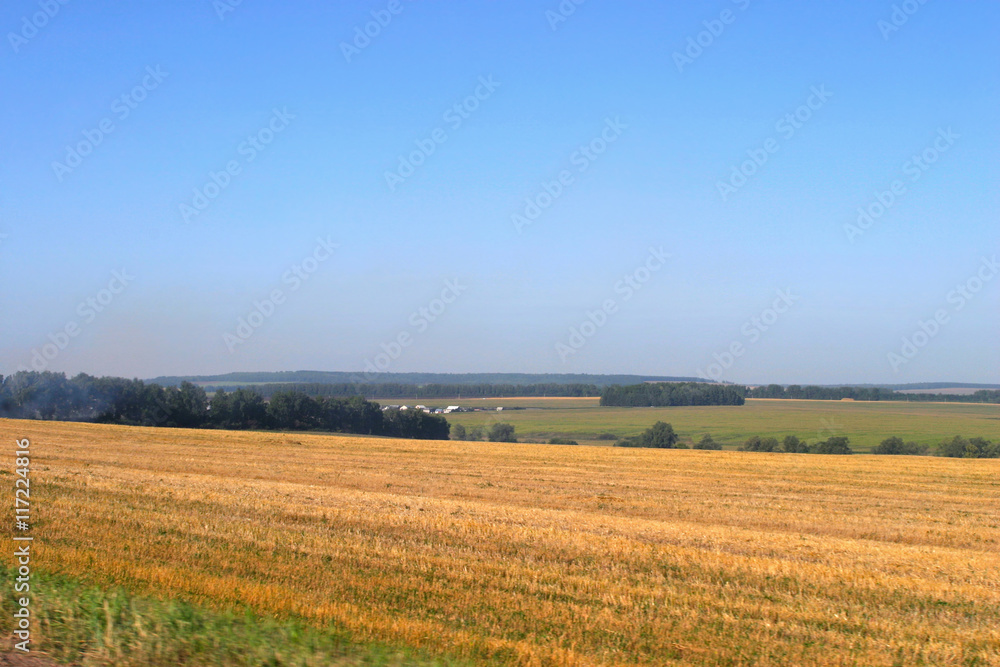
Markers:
point(658, 394)
point(112, 400)
point(661, 435)
point(396, 390)
point(962, 448)
point(956, 447)
point(792, 445)
point(419, 379)
point(812, 392)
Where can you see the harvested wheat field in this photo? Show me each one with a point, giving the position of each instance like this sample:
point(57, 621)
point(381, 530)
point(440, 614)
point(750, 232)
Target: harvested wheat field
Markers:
point(532, 554)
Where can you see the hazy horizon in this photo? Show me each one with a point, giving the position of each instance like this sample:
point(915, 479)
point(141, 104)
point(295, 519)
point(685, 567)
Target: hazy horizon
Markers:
point(361, 376)
point(742, 191)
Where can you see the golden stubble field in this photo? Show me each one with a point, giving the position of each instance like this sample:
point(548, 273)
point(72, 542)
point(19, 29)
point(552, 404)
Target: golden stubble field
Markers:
point(537, 555)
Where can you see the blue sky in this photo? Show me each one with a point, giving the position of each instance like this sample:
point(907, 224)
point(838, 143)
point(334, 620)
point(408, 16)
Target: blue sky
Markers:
point(641, 136)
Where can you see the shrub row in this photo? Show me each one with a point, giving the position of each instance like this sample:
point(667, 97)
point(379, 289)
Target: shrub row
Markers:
point(662, 436)
point(792, 445)
point(960, 448)
point(499, 432)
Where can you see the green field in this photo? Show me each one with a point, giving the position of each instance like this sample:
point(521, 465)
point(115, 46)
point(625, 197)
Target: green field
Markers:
point(866, 424)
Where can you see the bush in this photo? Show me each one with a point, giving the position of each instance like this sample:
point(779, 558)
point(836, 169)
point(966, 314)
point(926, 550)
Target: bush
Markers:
point(458, 432)
point(758, 444)
point(954, 448)
point(563, 441)
point(889, 446)
point(707, 442)
point(660, 436)
point(792, 445)
point(502, 432)
point(973, 448)
point(606, 436)
point(980, 448)
point(986, 449)
point(834, 445)
point(896, 447)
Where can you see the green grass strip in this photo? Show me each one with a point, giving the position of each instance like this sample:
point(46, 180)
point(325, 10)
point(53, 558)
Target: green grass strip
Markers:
point(80, 624)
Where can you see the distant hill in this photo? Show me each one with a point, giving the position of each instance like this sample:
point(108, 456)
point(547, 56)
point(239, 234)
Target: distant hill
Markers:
point(339, 377)
point(938, 385)
point(913, 386)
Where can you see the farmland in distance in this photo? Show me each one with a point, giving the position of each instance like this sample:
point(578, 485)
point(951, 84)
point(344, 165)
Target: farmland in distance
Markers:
point(865, 423)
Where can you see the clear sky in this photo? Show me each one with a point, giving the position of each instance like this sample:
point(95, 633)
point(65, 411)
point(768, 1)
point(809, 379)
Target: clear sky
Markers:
point(673, 182)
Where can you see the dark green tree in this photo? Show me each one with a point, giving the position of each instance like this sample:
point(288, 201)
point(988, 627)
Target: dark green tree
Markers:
point(415, 424)
point(294, 411)
point(890, 446)
point(833, 445)
point(661, 435)
point(247, 409)
point(187, 406)
point(757, 444)
point(980, 448)
point(954, 448)
point(220, 409)
point(792, 445)
point(502, 432)
point(707, 442)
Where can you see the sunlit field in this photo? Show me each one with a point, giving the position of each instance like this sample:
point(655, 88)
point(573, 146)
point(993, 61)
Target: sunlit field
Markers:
point(865, 423)
point(536, 554)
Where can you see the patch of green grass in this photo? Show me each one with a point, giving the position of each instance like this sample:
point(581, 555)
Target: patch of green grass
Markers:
point(865, 423)
point(84, 625)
